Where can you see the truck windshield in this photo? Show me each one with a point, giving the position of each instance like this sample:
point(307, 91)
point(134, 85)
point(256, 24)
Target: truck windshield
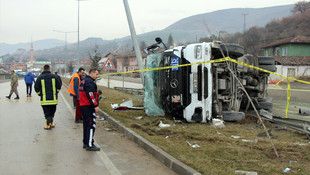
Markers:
point(151, 90)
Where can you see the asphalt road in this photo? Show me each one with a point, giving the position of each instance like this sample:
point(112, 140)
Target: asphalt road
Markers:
point(26, 148)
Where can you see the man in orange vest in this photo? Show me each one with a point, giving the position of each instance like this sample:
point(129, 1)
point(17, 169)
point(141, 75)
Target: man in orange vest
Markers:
point(74, 91)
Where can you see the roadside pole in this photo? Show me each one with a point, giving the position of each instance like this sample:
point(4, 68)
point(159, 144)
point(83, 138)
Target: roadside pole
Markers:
point(123, 75)
point(134, 38)
point(108, 79)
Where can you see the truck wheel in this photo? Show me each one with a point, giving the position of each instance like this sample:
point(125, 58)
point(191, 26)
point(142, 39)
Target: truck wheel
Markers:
point(265, 105)
point(234, 50)
point(271, 68)
point(265, 60)
point(232, 116)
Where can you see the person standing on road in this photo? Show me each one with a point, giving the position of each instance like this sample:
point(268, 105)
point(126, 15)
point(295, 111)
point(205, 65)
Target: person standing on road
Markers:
point(47, 87)
point(14, 84)
point(29, 79)
point(74, 91)
point(89, 106)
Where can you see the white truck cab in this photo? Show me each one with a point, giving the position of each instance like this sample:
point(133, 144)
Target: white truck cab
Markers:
point(199, 91)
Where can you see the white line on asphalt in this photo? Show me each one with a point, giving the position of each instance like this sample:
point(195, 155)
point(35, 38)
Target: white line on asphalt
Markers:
point(106, 160)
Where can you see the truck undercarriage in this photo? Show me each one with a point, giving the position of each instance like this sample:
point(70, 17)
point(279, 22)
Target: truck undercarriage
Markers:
point(200, 92)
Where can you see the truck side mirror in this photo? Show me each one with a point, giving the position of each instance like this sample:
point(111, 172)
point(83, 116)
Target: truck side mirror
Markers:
point(159, 40)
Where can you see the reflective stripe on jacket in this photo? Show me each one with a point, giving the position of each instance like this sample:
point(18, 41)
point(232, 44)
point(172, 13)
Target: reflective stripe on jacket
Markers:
point(71, 84)
point(47, 87)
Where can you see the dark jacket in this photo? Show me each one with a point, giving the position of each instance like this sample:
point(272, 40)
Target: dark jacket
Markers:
point(59, 79)
point(88, 92)
point(29, 78)
point(76, 87)
point(47, 87)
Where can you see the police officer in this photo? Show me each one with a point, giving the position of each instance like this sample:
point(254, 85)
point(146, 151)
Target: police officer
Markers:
point(89, 106)
point(47, 87)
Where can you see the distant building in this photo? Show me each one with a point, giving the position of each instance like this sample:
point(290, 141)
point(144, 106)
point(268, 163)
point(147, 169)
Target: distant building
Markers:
point(292, 56)
point(294, 46)
point(123, 62)
point(40, 64)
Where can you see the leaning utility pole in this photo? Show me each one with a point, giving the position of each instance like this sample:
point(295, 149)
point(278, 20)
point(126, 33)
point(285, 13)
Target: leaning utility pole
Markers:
point(244, 21)
point(134, 38)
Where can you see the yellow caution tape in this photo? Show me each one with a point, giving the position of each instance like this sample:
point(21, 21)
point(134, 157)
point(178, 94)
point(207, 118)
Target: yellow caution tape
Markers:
point(167, 67)
point(280, 82)
point(288, 96)
point(109, 82)
point(284, 78)
point(222, 60)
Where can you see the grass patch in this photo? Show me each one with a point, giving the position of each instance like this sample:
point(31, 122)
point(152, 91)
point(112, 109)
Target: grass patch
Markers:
point(219, 153)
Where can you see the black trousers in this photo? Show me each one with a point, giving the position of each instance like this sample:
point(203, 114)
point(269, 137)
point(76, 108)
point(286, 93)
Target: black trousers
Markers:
point(49, 113)
point(89, 125)
point(29, 89)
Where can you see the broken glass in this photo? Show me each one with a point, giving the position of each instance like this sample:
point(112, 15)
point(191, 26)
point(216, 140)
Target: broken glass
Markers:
point(151, 90)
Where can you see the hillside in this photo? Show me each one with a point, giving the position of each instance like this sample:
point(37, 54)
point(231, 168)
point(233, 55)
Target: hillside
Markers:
point(183, 31)
point(38, 45)
point(229, 20)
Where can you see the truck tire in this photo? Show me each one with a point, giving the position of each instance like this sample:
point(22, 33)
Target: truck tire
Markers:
point(265, 105)
point(265, 60)
point(232, 116)
point(234, 50)
point(271, 68)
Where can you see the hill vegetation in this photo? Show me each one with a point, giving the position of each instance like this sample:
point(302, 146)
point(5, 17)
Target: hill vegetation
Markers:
point(256, 37)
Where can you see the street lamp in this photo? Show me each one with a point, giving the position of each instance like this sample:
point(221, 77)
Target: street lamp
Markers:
point(134, 37)
point(78, 47)
point(65, 46)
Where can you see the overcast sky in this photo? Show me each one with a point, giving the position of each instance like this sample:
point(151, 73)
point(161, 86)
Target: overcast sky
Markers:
point(22, 19)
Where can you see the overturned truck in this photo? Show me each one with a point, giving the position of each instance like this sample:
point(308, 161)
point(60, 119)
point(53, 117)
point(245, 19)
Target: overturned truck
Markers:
point(200, 92)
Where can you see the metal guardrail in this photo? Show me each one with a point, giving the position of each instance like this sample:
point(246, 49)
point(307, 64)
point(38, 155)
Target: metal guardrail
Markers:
point(295, 124)
point(8, 76)
point(130, 90)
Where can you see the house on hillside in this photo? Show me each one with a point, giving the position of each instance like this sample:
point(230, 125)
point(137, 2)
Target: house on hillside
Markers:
point(292, 56)
point(294, 46)
point(128, 62)
point(123, 62)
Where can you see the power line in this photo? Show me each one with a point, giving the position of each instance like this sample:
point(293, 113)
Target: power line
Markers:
point(244, 21)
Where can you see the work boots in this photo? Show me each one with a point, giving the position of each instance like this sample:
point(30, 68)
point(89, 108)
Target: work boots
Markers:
point(17, 97)
point(48, 127)
point(9, 96)
point(53, 124)
point(93, 148)
point(49, 122)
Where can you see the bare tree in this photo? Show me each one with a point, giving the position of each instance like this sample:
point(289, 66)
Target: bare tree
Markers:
point(70, 67)
point(301, 7)
point(251, 39)
point(95, 57)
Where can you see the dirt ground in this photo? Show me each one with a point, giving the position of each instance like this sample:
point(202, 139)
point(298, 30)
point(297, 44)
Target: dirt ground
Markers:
point(238, 146)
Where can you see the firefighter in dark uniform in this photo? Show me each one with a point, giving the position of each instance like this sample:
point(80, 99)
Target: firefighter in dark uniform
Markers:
point(47, 87)
point(89, 106)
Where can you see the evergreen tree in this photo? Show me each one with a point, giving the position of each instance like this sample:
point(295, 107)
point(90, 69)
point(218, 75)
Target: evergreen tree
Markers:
point(95, 57)
point(170, 41)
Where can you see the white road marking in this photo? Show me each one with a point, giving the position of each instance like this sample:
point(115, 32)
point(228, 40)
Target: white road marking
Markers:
point(106, 160)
